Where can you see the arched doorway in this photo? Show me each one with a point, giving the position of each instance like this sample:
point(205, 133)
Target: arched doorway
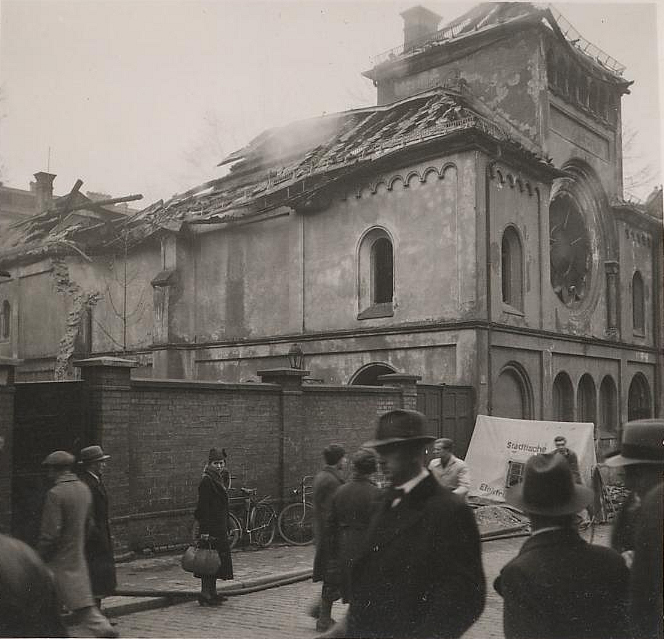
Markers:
point(638, 402)
point(563, 398)
point(368, 375)
point(511, 394)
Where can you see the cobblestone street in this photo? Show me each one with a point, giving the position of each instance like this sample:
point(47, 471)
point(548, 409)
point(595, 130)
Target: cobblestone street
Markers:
point(281, 612)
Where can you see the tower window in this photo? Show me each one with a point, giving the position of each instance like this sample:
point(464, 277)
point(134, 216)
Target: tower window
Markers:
point(512, 268)
point(382, 271)
point(638, 304)
point(5, 320)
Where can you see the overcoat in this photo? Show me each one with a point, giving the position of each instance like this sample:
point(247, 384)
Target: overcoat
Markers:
point(325, 485)
point(99, 546)
point(561, 587)
point(66, 518)
point(646, 574)
point(350, 515)
point(29, 606)
point(419, 574)
point(212, 516)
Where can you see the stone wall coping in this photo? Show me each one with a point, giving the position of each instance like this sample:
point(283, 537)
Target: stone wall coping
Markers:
point(284, 372)
point(355, 388)
point(115, 362)
point(170, 384)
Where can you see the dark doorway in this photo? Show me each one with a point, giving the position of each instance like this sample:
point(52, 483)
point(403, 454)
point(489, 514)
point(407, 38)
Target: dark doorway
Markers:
point(48, 416)
point(450, 412)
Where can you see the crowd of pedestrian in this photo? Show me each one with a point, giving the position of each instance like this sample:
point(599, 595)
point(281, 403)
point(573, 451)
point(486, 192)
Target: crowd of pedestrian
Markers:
point(406, 557)
point(408, 560)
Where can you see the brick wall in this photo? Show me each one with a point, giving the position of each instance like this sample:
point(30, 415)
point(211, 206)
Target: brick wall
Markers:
point(159, 432)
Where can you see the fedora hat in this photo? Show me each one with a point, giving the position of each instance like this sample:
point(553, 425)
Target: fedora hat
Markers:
point(59, 458)
point(400, 426)
point(548, 488)
point(642, 442)
point(91, 454)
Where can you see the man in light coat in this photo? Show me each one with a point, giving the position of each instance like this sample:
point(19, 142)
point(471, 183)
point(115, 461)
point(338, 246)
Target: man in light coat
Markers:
point(450, 471)
point(66, 518)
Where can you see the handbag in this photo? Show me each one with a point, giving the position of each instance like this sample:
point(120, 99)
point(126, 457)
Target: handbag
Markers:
point(201, 558)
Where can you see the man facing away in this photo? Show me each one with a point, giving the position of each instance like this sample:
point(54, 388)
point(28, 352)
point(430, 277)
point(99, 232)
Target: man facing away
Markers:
point(559, 586)
point(450, 471)
point(65, 520)
point(99, 546)
point(326, 482)
point(419, 574)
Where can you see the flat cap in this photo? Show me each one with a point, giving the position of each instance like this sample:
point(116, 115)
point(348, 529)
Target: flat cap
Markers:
point(59, 458)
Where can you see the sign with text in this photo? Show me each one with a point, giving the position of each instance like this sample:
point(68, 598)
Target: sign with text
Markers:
point(499, 444)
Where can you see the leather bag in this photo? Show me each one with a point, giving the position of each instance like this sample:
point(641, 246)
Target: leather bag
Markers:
point(201, 558)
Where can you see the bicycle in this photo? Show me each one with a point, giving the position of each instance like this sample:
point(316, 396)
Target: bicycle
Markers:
point(295, 521)
point(259, 519)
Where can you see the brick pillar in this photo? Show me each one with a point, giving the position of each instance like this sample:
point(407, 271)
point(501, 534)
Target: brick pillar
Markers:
point(292, 424)
point(407, 384)
point(108, 393)
point(7, 367)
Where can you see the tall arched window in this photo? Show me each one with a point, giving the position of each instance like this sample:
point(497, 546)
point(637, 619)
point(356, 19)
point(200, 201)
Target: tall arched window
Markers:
point(638, 304)
point(638, 400)
point(512, 268)
point(586, 400)
point(563, 398)
point(5, 320)
point(376, 274)
point(382, 271)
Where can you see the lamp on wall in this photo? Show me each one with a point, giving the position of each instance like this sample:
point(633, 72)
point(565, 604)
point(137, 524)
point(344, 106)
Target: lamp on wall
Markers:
point(296, 357)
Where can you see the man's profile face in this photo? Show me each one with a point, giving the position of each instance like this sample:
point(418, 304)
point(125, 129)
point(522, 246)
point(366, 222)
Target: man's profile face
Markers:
point(398, 463)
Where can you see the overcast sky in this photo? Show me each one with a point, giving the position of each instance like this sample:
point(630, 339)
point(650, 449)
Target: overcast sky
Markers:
point(147, 96)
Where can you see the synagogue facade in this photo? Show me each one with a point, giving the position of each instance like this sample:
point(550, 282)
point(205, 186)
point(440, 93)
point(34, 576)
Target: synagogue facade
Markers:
point(470, 228)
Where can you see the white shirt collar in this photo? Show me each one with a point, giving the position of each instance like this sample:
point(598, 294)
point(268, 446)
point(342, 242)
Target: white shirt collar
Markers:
point(543, 530)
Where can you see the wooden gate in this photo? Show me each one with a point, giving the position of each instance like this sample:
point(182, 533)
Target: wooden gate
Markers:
point(48, 416)
point(450, 411)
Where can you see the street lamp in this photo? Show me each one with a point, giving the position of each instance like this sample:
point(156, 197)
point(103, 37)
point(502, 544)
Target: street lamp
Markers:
point(295, 357)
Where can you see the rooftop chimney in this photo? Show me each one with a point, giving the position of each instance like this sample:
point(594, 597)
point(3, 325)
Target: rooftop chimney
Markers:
point(44, 190)
point(418, 23)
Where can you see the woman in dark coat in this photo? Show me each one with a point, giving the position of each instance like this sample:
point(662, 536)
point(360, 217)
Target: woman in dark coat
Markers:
point(212, 516)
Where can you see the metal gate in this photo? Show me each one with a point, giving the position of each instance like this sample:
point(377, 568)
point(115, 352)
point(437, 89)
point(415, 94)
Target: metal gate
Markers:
point(450, 412)
point(48, 416)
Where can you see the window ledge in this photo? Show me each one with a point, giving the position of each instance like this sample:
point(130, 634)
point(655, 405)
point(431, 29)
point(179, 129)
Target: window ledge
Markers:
point(511, 310)
point(386, 309)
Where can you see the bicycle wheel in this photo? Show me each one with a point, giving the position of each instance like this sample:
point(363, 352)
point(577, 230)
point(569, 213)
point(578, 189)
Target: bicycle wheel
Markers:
point(296, 524)
point(263, 523)
point(234, 530)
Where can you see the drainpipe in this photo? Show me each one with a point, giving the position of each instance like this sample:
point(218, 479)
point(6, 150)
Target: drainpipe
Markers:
point(487, 248)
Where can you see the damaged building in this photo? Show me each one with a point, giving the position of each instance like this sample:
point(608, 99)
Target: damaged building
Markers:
point(470, 229)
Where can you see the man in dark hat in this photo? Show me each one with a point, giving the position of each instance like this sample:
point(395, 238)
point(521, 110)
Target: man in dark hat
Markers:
point(559, 586)
point(66, 517)
point(419, 573)
point(326, 482)
point(638, 529)
point(99, 546)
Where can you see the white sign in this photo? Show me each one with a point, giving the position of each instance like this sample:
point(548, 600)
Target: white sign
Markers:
point(497, 441)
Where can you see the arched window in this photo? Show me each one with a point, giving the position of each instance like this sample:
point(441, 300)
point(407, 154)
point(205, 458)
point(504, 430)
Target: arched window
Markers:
point(603, 103)
point(638, 400)
point(638, 304)
point(608, 406)
point(563, 398)
point(5, 320)
point(382, 271)
point(586, 400)
point(376, 274)
point(512, 394)
point(512, 268)
point(583, 91)
point(573, 83)
point(593, 98)
point(368, 375)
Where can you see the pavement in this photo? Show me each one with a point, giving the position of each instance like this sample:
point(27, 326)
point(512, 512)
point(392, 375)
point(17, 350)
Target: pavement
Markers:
point(259, 609)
